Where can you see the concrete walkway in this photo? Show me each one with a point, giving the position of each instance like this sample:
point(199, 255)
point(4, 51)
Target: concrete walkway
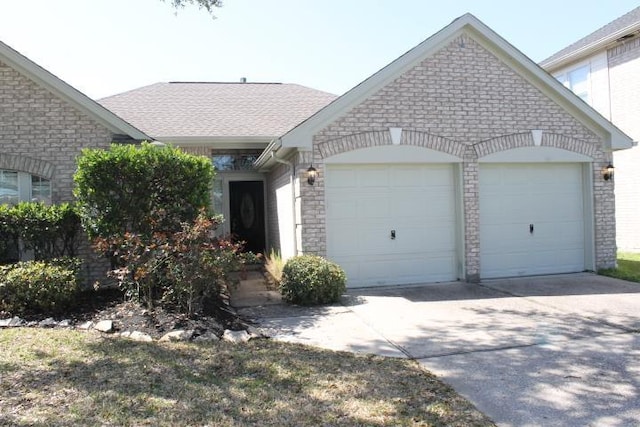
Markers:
point(556, 350)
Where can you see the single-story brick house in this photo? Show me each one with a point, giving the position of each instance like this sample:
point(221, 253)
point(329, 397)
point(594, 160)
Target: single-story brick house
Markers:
point(460, 160)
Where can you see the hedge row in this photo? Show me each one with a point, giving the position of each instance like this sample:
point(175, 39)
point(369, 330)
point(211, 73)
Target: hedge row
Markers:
point(48, 231)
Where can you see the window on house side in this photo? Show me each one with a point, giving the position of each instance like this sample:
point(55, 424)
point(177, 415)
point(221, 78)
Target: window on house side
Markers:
point(578, 81)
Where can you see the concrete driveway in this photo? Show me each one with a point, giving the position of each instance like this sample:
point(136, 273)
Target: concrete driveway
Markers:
point(545, 351)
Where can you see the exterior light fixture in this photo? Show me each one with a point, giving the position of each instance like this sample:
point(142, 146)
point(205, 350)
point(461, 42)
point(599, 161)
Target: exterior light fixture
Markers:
point(312, 173)
point(607, 173)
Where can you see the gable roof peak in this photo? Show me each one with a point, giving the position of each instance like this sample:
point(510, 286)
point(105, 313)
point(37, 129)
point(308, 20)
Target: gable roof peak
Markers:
point(60, 88)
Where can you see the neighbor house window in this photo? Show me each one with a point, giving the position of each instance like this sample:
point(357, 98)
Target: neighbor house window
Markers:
point(578, 81)
point(21, 186)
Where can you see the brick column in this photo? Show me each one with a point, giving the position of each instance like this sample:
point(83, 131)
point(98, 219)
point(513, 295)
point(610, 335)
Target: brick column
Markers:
point(471, 207)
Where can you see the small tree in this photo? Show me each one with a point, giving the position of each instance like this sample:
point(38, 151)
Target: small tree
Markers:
point(140, 189)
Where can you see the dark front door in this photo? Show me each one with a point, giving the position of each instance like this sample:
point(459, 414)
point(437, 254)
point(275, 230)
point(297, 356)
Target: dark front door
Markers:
point(246, 200)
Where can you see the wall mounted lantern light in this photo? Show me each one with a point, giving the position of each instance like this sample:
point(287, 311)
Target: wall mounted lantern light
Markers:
point(607, 173)
point(312, 173)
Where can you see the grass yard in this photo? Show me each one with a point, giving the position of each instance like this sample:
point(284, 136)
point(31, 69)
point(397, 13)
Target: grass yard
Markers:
point(628, 267)
point(63, 377)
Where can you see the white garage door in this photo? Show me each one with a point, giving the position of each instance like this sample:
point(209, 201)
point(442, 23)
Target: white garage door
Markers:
point(391, 224)
point(531, 219)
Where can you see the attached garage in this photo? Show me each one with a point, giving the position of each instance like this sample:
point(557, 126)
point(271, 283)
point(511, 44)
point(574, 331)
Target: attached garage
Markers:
point(532, 219)
point(392, 223)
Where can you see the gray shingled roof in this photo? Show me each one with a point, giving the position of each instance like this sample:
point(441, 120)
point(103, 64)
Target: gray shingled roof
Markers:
point(203, 110)
point(628, 20)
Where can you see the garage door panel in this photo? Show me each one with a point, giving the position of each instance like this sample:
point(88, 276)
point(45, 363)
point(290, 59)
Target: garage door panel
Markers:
point(549, 197)
point(417, 201)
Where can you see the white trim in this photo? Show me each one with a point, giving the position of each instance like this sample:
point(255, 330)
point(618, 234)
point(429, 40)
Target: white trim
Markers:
point(44, 78)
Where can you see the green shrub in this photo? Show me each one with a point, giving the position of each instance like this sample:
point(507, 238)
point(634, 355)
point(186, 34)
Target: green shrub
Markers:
point(140, 189)
point(312, 280)
point(39, 286)
point(49, 231)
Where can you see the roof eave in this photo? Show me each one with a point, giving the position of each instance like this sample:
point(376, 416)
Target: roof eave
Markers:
point(70, 94)
point(589, 49)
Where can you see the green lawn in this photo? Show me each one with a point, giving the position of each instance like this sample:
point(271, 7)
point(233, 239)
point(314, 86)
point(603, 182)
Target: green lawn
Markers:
point(64, 377)
point(628, 267)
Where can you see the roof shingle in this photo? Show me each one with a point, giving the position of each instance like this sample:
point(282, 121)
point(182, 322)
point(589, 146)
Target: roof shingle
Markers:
point(627, 20)
point(214, 110)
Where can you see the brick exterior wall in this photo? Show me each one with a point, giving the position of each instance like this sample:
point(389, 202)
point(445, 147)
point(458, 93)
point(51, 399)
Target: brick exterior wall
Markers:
point(463, 101)
point(624, 86)
point(42, 134)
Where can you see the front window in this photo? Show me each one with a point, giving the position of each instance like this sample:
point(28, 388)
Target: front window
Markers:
point(9, 187)
point(40, 189)
point(234, 161)
point(22, 186)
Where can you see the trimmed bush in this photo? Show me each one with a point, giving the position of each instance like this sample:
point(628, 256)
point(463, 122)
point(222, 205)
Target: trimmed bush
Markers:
point(312, 280)
point(49, 231)
point(140, 189)
point(39, 286)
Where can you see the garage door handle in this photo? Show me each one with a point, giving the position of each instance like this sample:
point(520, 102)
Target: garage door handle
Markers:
point(393, 234)
point(531, 228)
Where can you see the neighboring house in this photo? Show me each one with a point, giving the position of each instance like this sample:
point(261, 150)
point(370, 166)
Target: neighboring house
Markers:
point(461, 160)
point(231, 123)
point(44, 124)
point(603, 69)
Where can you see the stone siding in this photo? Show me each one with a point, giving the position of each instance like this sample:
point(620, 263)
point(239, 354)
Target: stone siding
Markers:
point(463, 101)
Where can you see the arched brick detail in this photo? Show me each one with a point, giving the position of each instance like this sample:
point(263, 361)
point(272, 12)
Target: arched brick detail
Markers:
point(379, 138)
point(525, 139)
point(37, 167)
point(570, 144)
point(504, 142)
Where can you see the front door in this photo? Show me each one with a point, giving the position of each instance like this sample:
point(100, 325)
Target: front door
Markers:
point(246, 212)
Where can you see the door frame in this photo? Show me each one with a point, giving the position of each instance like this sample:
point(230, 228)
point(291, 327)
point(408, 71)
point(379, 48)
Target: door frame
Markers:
point(227, 177)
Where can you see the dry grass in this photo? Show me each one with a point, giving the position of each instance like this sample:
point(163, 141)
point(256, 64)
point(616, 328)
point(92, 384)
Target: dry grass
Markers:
point(274, 264)
point(58, 377)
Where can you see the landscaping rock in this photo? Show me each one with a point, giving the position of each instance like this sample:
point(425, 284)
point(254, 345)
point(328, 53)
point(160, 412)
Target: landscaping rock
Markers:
point(236, 336)
point(86, 325)
point(179, 335)
point(104, 326)
point(64, 323)
point(140, 336)
point(261, 332)
point(206, 337)
point(12, 322)
point(49, 322)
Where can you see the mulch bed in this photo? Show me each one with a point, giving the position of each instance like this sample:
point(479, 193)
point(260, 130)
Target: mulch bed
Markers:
point(110, 304)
